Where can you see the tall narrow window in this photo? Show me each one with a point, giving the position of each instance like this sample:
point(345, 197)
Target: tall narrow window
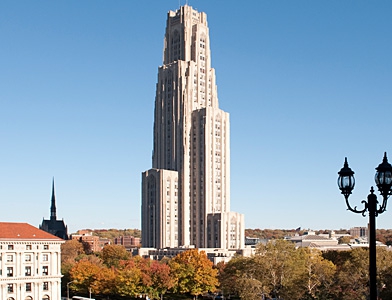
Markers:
point(45, 270)
point(28, 271)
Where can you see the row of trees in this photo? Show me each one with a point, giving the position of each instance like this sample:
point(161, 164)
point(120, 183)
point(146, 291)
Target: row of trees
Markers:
point(277, 270)
point(113, 272)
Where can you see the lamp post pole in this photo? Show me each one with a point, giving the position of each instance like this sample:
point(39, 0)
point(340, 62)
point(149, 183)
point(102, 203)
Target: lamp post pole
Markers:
point(68, 289)
point(372, 208)
point(383, 178)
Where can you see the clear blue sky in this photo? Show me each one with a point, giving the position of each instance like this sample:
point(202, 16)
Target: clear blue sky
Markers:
point(306, 83)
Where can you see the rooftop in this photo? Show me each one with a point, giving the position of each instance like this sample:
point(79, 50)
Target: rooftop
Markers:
point(23, 231)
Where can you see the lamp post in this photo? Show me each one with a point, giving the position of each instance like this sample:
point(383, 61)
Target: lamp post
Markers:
point(68, 289)
point(383, 179)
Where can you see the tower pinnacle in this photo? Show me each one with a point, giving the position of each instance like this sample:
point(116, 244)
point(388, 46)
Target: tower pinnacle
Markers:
point(53, 204)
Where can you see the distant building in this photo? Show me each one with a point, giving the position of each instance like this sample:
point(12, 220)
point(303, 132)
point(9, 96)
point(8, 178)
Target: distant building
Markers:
point(30, 263)
point(214, 255)
point(359, 231)
point(54, 226)
point(253, 241)
point(325, 242)
point(91, 240)
point(312, 240)
point(128, 242)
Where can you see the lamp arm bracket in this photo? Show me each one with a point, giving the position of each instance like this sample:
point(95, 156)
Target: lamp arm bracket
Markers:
point(355, 210)
point(382, 207)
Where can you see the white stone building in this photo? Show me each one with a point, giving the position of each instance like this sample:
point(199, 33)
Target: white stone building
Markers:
point(186, 194)
point(30, 264)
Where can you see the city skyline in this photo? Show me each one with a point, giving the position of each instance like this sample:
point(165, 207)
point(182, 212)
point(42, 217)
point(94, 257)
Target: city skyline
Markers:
point(306, 84)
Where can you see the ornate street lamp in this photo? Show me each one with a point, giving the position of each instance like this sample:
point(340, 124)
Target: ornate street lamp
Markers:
point(383, 178)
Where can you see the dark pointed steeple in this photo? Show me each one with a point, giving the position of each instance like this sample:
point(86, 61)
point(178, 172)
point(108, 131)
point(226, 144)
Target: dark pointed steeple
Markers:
point(54, 226)
point(53, 205)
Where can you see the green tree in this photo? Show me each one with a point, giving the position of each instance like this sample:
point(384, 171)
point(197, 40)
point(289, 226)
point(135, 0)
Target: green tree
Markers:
point(247, 274)
point(278, 264)
point(319, 274)
point(193, 273)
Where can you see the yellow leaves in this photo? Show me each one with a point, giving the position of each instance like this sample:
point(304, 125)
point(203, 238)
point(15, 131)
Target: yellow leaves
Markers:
point(194, 272)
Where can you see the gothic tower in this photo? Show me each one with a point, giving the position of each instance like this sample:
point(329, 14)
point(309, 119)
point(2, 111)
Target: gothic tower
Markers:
point(54, 226)
point(186, 194)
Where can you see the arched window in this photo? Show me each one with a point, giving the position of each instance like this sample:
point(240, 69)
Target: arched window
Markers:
point(29, 298)
point(45, 297)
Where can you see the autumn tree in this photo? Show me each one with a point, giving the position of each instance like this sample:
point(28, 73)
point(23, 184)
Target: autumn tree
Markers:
point(353, 276)
point(71, 250)
point(85, 274)
point(112, 255)
point(129, 279)
point(384, 272)
point(193, 273)
point(161, 279)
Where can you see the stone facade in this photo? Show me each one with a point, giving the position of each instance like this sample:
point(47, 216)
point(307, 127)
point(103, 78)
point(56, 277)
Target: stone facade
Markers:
point(186, 194)
point(30, 263)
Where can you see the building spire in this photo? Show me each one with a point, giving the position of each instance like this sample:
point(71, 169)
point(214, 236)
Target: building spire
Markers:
point(53, 204)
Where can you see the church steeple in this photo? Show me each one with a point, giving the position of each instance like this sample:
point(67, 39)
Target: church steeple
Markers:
point(53, 205)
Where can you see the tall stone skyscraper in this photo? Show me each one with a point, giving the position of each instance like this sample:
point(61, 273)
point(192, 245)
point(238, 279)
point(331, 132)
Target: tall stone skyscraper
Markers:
point(186, 194)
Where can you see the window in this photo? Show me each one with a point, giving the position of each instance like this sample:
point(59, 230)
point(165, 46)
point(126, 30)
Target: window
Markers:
point(46, 286)
point(10, 272)
point(46, 247)
point(28, 287)
point(10, 247)
point(10, 258)
point(27, 257)
point(28, 247)
point(27, 271)
point(45, 257)
point(45, 270)
point(10, 288)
